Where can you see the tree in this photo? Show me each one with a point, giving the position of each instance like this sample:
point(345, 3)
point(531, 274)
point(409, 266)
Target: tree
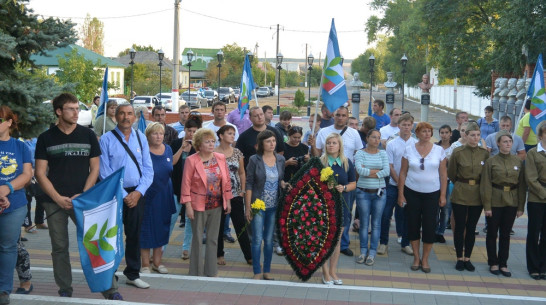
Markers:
point(138, 48)
point(92, 32)
point(23, 87)
point(81, 74)
point(146, 78)
point(299, 99)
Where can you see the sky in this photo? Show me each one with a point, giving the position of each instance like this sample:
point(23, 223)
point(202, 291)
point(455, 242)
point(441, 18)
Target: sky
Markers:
point(215, 23)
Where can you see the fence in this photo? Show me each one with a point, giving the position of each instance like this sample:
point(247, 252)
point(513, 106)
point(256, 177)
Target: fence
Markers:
point(444, 96)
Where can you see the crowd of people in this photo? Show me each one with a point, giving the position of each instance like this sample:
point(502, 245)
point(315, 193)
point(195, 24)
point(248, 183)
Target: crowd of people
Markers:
point(209, 174)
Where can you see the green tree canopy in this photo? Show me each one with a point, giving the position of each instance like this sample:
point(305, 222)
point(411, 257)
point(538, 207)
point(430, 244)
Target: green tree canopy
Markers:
point(93, 34)
point(22, 87)
point(81, 75)
point(138, 48)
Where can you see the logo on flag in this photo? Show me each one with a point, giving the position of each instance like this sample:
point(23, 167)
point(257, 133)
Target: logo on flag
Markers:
point(537, 95)
point(247, 85)
point(333, 89)
point(98, 214)
point(103, 94)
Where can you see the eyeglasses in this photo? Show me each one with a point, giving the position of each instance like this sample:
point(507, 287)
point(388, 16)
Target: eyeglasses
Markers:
point(422, 166)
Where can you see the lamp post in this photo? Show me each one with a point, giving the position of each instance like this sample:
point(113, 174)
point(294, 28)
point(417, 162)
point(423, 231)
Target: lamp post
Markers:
point(190, 58)
point(404, 61)
point(279, 62)
point(250, 58)
point(160, 55)
point(220, 57)
point(371, 61)
point(310, 59)
point(132, 54)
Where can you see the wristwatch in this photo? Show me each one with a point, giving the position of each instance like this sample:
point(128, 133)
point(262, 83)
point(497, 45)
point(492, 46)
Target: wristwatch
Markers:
point(345, 188)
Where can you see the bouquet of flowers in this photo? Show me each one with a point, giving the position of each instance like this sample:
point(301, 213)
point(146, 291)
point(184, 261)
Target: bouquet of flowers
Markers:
point(257, 206)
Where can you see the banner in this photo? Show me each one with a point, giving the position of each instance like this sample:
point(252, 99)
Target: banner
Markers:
point(247, 85)
point(100, 230)
point(103, 95)
point(538, 96)
point(333, 88)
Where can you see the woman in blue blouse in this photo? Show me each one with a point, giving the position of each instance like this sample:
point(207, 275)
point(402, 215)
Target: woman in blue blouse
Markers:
point(16, 171)
point(488, 124)
point(372, 166)
point(344, 172)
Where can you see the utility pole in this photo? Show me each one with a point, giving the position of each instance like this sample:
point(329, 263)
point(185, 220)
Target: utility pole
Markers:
point(277, 74)
point(176, 52)
point(265, 68)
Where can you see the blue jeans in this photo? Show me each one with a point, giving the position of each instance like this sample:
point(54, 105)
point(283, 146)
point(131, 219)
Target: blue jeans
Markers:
point(10, 231)
point(226, 229)
point(262, 225)
point(347, 217)
point(174, 217)
point(445, 212)
point(401, 228)
point(188, 235)
point(370, 204)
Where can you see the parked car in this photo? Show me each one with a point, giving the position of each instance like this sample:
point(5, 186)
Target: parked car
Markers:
point(210, 96)
point(192, 100)
point(166, 99)
point(262, 92)
point(118, 100)
point(271, 91)
point(237, 93)
point(226, 95)
point(84, 118)
point(146, 100)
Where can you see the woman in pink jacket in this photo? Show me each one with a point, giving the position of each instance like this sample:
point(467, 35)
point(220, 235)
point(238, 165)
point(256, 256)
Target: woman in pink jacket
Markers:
point(206, 192)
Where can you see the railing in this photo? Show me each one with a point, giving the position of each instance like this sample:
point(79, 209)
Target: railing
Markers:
point(444, 96)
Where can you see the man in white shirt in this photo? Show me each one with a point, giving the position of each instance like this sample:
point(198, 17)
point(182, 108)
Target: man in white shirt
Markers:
point(391, 129)
point(351, 143)
point(395, 151)
point(219, 113)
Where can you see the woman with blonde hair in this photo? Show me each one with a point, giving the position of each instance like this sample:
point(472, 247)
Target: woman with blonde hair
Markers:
point(160, 205)
point(345, 174)
point(206, 192)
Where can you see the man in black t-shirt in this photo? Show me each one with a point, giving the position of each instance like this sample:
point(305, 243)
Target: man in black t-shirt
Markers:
point(67, 164)
point(247, 140)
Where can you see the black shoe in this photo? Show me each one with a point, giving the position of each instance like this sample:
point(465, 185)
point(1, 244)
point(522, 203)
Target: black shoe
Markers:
point(440, 239)
point(506, 273)
point(484, 230)
point(459, 266)
point(228, 238)
point(494, 272)
point(534, 276)
point(347, 252)
point(478, 232)
point(543, 276)
point(182, 225)
point(468, 266)
point(512, 232)
point(204, 240)
point(24, 239)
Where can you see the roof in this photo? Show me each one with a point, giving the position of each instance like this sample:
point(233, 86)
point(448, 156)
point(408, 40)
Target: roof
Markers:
point(51, 57)
point(201, 58)
point(142, 57)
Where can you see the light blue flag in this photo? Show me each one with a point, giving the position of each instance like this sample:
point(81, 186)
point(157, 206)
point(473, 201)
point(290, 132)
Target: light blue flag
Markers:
point(103, 94)
point(247, 85)
point(538, 96)
point(99, 225)
point(333, 88)
point(142, 123)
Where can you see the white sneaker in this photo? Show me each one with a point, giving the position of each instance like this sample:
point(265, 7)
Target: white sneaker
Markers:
point(279, 251)
point(382, 249)
point(399, 240)
point(408, 250)
point(145, 270)
point(138, 283)
point(160, 269)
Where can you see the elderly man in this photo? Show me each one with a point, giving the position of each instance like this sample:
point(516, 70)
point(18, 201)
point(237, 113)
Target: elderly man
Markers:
point(159, 114)
point(127, 147)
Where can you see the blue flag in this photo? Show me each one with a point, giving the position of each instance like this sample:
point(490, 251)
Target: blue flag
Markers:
point(333, 89)
point(247, 85)
point(538, 96)
point(99, 225)
point(103, 94)
point(142, 123)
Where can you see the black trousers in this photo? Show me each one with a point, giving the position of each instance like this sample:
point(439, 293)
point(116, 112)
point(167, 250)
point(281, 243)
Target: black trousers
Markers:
point(132, 219)
point(536, 237)
point(238, 218)
point(501, 220)
point(421, 212)
point(466, 218)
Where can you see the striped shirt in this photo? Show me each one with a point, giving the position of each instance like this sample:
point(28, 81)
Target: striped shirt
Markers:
point(364, 162)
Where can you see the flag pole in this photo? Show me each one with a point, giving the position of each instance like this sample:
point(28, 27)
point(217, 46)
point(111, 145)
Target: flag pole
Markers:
point(316, 106)
point(256, 97)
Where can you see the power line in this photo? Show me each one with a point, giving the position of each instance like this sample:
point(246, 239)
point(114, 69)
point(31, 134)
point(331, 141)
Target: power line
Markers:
point(112, 17)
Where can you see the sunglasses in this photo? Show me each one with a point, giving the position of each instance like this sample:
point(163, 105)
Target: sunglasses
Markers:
point(422, 166)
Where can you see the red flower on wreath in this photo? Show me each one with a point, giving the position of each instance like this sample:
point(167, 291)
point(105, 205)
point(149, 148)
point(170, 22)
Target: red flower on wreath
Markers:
point(306, 178)
point(300, 184)
point(289, 199)
point(314, 172)
point(328, 196)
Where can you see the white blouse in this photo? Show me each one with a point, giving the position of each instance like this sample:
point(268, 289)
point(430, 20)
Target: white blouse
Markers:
point(426, 180)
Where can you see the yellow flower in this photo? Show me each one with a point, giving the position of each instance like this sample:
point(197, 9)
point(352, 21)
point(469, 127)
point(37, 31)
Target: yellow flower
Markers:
point(325, 173)
point(258, 205)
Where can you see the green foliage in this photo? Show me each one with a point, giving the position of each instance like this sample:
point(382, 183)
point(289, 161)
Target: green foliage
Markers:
point(299, 99)
point(295, 111)
point(93, 34)
point(290, 78)
point(81, 73)
point(22, 87)
point(146, 79)
point(138, 48)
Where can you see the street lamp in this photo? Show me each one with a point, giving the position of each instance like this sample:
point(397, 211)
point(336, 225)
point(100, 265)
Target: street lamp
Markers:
point(279, 67)
point(190, 58)
point(250, 58)
point(220, 56)
point(132, 54)
point(310, 59)
point(160, 55)
point(371, 61)
point(404, 61)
